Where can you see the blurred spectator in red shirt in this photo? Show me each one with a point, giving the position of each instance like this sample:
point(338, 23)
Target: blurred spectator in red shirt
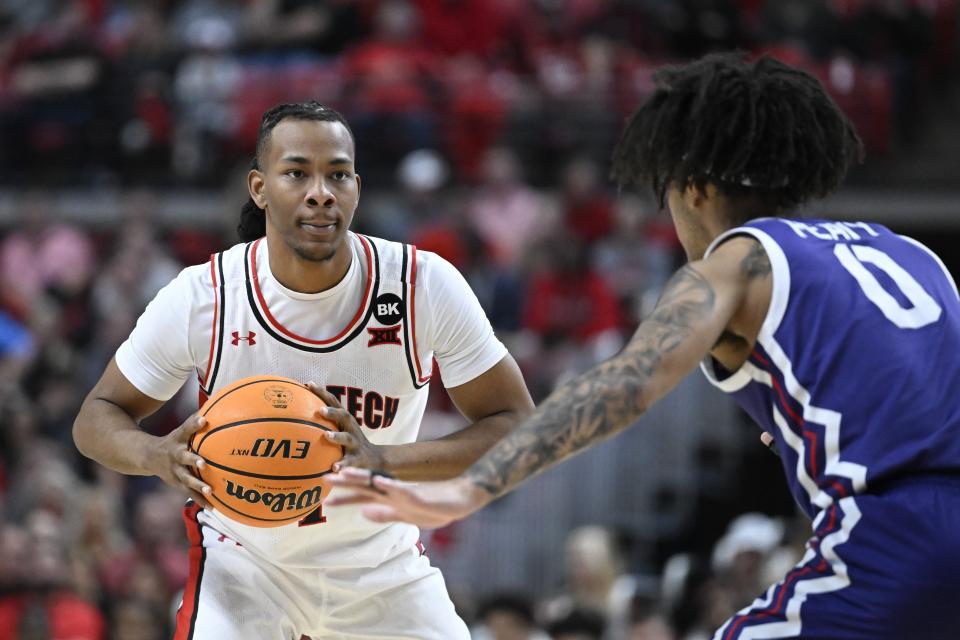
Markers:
point(568, 300)
point(454, 27)
point(587, 207)
point(476, 111)
point(390, 89)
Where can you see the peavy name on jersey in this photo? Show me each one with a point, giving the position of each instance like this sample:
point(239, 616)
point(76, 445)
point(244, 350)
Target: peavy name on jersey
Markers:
point(832, 231)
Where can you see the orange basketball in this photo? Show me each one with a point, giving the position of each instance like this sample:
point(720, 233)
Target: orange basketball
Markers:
point(265, 450)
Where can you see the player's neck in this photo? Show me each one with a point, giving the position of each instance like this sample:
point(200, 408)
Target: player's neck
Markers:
point(713, 221)
point(309, 276)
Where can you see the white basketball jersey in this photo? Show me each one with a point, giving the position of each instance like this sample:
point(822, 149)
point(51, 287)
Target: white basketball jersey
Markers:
point(216, 320)
point(372, 366)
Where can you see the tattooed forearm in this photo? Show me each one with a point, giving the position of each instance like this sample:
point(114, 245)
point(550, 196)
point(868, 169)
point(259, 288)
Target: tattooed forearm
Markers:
point(756, 264)
point(604, 400)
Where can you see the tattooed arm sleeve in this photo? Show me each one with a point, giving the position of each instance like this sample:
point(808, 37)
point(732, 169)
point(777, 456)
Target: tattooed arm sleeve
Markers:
point(696, 305)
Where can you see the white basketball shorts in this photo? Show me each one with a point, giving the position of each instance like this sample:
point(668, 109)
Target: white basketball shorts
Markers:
point(232, 593)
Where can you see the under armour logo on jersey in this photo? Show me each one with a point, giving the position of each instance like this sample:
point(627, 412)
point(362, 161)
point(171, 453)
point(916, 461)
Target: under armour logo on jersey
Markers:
point(386, 335)
point(249, 338)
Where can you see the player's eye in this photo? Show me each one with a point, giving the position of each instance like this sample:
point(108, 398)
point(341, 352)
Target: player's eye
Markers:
point(294, 173)
point(341, 176)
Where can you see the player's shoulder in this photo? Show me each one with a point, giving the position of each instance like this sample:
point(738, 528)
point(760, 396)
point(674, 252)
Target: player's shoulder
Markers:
point(194, 276)
point(434, 270)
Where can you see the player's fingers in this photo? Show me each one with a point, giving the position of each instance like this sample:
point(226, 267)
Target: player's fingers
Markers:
point(769, 442)
point(189, 459)
point(350, 477)
point(328, 398)
point(346, 461)
point(340, 438)
point(340, 417)
point(381, 513)
point(200, 499)
point(384, 482)
point(374, 482)
point(191, 482)
point(190, 427)
point(351, 497)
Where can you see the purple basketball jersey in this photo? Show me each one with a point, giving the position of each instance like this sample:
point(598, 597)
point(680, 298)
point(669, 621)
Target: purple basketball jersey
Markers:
point(856, 371)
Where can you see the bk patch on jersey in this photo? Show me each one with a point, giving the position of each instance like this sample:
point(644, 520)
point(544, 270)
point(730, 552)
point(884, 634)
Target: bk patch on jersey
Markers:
point(388, 310)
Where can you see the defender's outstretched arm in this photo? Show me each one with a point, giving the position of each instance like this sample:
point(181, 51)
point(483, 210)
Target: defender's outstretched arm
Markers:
point(696, 306)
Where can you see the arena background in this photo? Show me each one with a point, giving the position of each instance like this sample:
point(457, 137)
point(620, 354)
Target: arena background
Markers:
point(484, 131)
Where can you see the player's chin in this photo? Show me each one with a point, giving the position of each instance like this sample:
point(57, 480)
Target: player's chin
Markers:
point(317, 251)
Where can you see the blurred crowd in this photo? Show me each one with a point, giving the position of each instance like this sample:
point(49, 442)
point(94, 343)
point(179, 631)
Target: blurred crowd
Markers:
point(172, 91)
point(483, 132)
point(601, 599)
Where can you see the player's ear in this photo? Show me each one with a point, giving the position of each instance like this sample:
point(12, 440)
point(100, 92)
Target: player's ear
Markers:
point(357, 176)
point(695, 197)
point(255, 184)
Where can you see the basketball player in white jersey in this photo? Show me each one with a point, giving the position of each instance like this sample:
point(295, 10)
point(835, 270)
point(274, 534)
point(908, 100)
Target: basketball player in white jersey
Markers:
point(361, 319)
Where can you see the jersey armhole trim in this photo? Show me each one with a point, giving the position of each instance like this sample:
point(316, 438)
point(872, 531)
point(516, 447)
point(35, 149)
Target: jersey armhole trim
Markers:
point(780, 269)
point(731, 383)
point(778, 303)
point(216, 331)
point(410, 328)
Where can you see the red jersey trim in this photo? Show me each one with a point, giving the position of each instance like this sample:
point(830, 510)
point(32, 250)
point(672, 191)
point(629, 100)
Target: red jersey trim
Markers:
point(413, 314)
point(186, 620)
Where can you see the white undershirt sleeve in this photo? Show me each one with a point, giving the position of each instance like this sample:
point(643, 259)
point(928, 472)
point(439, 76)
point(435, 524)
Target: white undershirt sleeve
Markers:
point(457, 327)
point(157, 358)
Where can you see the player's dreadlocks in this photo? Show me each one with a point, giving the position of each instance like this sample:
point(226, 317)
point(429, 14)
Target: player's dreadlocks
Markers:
point(762, 130)
point(253, 223)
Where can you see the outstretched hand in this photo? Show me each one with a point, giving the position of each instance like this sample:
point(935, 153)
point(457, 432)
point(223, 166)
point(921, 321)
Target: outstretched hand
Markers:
point(357, 450)
point(428, 504)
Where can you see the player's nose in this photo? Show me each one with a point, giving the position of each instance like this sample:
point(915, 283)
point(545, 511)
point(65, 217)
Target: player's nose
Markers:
point(320, 194)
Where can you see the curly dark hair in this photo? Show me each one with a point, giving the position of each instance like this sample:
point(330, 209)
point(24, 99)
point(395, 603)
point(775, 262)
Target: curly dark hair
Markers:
point(761, 130)
point(252, 223)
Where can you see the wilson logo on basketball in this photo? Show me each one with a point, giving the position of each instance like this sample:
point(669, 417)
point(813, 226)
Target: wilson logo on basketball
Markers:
point(272, 448)
point(277, 397)
point(277, 501)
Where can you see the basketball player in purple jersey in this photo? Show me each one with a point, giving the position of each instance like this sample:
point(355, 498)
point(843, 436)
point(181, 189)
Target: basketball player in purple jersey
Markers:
point(840, 339)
